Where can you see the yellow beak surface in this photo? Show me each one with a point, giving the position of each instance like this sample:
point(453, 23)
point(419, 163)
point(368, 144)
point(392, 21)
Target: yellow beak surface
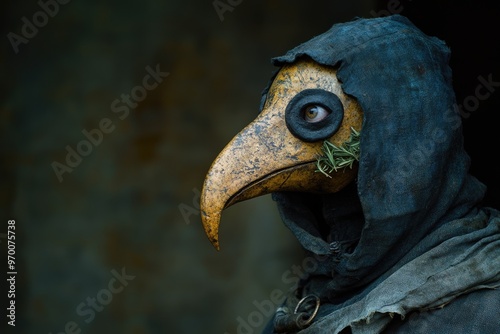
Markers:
point(265, 157)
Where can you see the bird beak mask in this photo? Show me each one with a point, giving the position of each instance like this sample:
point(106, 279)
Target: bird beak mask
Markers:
point(305, 106)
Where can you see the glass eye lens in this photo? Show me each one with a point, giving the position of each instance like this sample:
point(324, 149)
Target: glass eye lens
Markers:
point(315, 113)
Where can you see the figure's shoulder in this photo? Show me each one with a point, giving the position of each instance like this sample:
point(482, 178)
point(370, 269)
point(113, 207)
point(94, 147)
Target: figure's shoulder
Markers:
point(476, 312)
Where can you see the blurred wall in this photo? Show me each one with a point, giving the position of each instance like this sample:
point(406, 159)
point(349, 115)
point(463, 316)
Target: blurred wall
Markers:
point(114, 244)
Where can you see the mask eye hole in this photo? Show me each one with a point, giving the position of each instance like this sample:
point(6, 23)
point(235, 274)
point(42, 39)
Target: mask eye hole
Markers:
point(315, 113)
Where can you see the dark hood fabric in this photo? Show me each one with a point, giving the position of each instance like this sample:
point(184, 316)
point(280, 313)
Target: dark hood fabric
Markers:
point(414, 210)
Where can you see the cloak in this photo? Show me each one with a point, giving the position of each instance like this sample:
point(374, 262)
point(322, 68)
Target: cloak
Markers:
point(407, 247)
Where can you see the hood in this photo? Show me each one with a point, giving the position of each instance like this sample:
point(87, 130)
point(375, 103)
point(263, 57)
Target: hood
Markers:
point(413, 170)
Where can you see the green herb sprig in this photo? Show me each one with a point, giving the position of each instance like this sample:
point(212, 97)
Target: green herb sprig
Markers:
point(333, 158)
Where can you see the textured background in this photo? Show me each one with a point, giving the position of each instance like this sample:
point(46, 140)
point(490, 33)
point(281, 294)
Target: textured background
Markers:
point(132, 202)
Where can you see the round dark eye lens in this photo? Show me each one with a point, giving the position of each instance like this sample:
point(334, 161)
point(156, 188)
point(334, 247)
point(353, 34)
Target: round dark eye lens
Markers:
point(314, 114)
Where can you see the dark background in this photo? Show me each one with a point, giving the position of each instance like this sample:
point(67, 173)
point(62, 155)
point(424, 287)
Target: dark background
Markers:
point(132, 202)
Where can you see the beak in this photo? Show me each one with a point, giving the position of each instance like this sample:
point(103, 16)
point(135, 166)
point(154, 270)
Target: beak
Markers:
point(265, 157)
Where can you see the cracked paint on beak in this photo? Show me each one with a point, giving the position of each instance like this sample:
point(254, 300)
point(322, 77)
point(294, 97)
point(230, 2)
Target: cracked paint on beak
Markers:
point(265, 157)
